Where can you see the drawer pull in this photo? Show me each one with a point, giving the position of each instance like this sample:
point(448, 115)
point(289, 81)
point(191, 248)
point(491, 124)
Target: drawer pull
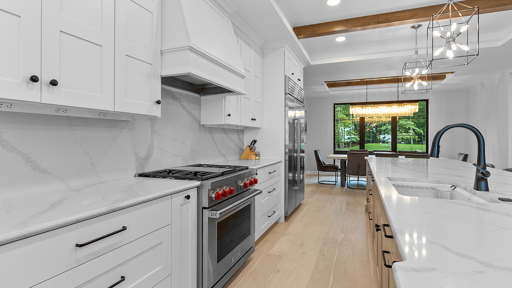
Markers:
point(370, 216)
point(384, 230)
point(118, 282)
point(272, 172)
point(377, 227)
point(274, 212)
point(270, 191)
point(101, 238)
point(384, 252)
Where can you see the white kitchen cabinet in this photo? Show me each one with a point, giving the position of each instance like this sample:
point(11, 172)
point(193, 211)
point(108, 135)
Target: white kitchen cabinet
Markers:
point(184, 239)
point(85, 54)
point(137, 58)
point(221, 111)
point(294, 69)
point(268, 203)
point(20, 51)
point(78, 53)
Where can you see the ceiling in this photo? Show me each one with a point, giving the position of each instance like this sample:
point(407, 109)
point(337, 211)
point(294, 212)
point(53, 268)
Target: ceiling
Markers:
point(371, 53)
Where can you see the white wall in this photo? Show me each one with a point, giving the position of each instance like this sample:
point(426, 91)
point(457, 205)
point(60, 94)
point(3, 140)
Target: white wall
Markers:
point(42, 152)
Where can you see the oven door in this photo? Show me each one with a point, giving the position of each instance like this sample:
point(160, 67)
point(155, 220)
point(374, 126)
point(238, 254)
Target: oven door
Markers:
point(228, 234)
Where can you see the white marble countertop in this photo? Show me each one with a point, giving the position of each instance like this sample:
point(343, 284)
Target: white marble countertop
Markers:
point(31, 214)
point(447, 243)
point(256, 164)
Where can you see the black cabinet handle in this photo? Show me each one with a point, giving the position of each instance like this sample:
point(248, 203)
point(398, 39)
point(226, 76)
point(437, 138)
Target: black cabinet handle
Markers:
point(370, 192)
point(384, 230)
point(34, 78)
point(118, 282)
point(298, 79)
point(368, 200)
point(384, 252)
point(274, 212)
point(370, 216)
point(229, 115)
point(293, 73)
point(54, 82)
point(253, 119)
point(158, 102)
point(101, 238)
point(272, 172)
point(377, 227)
point(270, 191)
point(187, 197)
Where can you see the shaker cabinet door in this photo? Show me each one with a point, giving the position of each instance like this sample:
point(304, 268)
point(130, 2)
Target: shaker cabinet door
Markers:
point(138, 57)
point(78, 53)
point(20, 51)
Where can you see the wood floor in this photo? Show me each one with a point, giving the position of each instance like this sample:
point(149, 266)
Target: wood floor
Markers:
point(322, 244)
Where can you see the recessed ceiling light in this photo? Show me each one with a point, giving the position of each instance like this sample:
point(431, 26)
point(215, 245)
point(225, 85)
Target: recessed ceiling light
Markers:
point(340, 39)
point(333, 2)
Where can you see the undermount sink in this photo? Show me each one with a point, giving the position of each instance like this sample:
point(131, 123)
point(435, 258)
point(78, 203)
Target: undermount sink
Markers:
point(439, 190)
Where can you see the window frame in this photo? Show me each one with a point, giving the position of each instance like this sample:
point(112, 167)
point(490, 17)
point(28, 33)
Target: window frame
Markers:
point(394, 121)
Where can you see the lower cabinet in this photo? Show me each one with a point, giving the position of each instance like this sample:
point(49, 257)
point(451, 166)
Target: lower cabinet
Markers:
point(268, 203)
point(153, 244)
point(383, 246)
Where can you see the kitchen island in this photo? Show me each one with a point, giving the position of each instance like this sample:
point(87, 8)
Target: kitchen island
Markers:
point(446, 243)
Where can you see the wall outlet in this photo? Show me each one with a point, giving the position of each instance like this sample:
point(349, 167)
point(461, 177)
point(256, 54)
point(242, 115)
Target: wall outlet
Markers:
point(102, 114)
point(61, 111)
point(4, 105)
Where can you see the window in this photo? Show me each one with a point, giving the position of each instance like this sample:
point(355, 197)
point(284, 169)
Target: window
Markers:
point(385, 134)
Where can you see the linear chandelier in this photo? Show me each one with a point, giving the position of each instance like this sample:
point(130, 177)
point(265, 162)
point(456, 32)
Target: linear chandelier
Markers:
point(384, 110)
point(450, 37)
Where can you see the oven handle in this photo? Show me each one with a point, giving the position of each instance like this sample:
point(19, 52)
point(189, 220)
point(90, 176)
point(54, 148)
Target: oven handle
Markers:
point(220, 213)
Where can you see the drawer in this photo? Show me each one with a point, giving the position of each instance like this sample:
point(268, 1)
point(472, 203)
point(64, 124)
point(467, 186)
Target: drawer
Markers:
point(166, 283)
point(35, 259)
point(268, 193)
point(265, 220)
point(140, 264)
point(269, 172)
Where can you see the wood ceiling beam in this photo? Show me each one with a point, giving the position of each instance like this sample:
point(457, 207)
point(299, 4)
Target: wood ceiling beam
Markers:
point(381, 80)
point(404, 17)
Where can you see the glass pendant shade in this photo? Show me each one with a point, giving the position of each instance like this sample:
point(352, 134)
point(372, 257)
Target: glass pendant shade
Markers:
point(454, 35)
point(417, 72)
point(385, 110)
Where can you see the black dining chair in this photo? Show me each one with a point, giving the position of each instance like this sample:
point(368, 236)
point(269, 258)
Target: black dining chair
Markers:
point(387, 154)
point(463, 157)
point(356, 167)
point(417, 155)
point(508, 169)
point(321, 166)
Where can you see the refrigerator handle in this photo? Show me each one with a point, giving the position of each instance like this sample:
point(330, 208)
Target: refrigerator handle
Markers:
point(298, 142)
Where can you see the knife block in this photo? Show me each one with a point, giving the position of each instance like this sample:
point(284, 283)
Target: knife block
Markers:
point(248, 154)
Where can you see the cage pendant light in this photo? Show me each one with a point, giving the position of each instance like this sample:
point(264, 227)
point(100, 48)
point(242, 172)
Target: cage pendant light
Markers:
point(417, 72)
point(453, 35)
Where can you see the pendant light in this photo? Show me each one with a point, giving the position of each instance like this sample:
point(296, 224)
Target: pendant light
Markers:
point(417, 72)
point(454, 35)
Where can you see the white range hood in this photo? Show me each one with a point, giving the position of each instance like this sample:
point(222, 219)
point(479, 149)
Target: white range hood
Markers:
point(199, 49)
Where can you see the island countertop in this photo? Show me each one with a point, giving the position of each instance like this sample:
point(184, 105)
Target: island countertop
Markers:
point(447, 243)
point(35, 213)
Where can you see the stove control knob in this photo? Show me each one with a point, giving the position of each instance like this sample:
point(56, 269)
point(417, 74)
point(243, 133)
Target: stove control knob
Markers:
point(255, 181)
point(246, 185)
point(217, 196)
point(231, 190)
point(225, 193)
point(251, 182)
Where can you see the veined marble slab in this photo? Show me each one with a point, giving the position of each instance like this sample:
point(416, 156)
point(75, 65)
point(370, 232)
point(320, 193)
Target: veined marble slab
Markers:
point(254, 164)
point(447, 243)
point(35, 213)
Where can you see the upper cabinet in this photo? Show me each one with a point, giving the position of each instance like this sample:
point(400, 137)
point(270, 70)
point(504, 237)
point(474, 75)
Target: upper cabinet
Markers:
point(294, 69)
point(240, 111)
point(92, 54)
point(20, 51)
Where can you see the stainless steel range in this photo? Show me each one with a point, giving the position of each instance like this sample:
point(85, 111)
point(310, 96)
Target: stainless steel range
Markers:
point(227, 217)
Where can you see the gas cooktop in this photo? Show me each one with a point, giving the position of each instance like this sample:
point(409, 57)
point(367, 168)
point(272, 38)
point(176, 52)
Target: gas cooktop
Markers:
point(200, 172)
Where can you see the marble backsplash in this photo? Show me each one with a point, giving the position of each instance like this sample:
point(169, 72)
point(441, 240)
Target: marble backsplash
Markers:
point(41, 152)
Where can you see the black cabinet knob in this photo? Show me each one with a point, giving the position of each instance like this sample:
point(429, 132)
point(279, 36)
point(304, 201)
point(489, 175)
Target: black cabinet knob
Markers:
point(229, 115)
point(34, 78)
point(253, 119)
point(158, 102)
point(187, 197)
point(54, 82)
point(298, 79)
point(293, 73)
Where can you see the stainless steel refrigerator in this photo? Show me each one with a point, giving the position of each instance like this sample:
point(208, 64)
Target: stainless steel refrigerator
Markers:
point(295, 139)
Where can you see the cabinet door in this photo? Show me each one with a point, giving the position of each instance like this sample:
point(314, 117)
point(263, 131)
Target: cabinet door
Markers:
point(256, 114)
point(184, 239)
point(245, 111)
point(232, 109)
point(300, 76)
point(138, 84)
point(20, 51)
point(288, 65)
point(78, 53)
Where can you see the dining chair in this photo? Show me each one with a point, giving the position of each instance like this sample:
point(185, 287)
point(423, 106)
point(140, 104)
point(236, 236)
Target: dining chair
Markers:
point(387, 154)
point(508, 169)
point(321, 166)
point(417, 155)
point(402, 153)
point(356, 167)
point(463, 157)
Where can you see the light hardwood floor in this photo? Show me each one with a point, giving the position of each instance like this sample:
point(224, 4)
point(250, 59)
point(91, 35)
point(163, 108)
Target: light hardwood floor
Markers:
point(322, 244)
